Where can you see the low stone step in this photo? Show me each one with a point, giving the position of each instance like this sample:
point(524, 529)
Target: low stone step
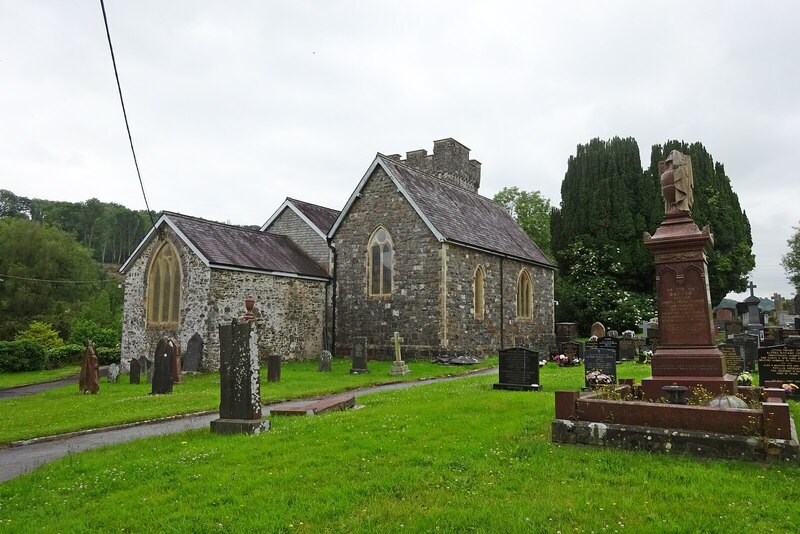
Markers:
point(338, 402)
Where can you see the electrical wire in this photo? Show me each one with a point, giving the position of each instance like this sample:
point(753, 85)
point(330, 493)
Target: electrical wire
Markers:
point(3, 276)
point(125, 113)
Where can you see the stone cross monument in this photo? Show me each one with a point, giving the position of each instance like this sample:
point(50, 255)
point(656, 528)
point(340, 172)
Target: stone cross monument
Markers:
point(399, 367)
point(687, 354)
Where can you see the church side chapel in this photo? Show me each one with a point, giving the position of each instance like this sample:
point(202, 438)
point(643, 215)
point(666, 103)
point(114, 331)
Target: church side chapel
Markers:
point(417, 250)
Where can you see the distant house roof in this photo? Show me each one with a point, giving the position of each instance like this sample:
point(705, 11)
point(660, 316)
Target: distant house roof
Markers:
point(319, 218)
point(224, 246)
point(455, 214)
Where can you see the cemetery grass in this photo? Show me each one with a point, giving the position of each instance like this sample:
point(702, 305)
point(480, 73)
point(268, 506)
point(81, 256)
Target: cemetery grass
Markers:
point(13, 380)
point(64, 409)
point(449, 457)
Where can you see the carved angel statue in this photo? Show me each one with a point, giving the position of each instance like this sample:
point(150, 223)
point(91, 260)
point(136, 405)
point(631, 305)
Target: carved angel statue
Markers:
point(676, 182)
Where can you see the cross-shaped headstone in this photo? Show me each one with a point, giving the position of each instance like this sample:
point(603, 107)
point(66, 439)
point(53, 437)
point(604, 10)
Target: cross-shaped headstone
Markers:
point(396, 339)
point(751, 287)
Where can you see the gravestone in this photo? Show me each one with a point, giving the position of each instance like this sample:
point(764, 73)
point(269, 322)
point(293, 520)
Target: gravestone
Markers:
point(359, 354)
point(399, 367)
point(89, 380)
point(609, 343)
point(732, 357)
point(590, 344)
point(194, 354)
point(175, 369)
point(136, 371)
point(519, 370)
point(572, 349)
point(628, 349)
point(239, 380)
point(603, 360)
point(628, 334)
point(163, 357)
point(733, 328)
point(796, 319)
point(796, 301)
point(749, 344)
point(780, 362)
point(325, 359)
point(274, 368)
point(566, 332)
point(598, 330)
point(772, 336)
point(147, 369)
point(612, 333)
point(113, 373)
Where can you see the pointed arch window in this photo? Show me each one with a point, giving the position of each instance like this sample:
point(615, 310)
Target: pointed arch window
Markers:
point(478, 301)
point(164, 287)
point(524, 295)
point(380, 262)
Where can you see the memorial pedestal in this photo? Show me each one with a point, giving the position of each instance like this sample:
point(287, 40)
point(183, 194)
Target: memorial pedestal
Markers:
point(399, 368)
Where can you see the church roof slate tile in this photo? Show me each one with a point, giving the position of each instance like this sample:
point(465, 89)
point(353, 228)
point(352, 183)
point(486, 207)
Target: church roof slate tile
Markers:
point(464, 217)
point(321, 216)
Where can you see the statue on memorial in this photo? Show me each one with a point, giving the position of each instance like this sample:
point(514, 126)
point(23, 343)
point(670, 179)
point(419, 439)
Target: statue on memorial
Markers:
point(677, 182)
point(89, 380)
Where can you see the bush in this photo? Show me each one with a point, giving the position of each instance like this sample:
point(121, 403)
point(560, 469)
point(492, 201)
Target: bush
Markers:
point(107, 356)
point(65, 355)
point(42, 333)
point(16, 356)
point(84, 330)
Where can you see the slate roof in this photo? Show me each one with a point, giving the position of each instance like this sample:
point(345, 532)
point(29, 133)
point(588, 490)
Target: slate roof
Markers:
point(464, 217)
point(321, 216)
point(227, 246)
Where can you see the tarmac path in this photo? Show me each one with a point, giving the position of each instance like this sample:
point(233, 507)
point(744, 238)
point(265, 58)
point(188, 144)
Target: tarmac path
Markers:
point(24, 456)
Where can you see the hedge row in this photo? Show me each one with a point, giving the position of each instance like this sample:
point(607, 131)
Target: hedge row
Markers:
point(17, 356)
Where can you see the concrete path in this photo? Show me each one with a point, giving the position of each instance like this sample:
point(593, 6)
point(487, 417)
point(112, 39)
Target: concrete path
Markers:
point(21, 391)
point(28, 455)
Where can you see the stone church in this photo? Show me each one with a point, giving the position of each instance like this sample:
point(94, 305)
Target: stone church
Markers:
point(415, 250)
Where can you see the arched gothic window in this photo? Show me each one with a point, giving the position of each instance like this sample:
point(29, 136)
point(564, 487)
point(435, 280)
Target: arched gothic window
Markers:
point(164, 287)
point(524, 295)
point(478, 301)
point(381, 262)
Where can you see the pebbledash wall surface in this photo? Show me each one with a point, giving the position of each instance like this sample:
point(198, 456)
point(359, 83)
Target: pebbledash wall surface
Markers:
point(210, 297)
point(431, 303)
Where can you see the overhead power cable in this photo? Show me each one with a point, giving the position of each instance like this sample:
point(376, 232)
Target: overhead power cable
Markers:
point(125, 114)
point(52, 281)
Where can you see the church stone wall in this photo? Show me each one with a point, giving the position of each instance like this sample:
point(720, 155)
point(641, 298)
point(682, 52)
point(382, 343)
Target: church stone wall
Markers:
point(289, 311)
point(288, 223)
point(481, 337)
point(413, 308)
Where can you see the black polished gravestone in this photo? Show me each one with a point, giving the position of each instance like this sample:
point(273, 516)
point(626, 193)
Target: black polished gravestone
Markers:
point(628, 348)
point(603, 360)
point(772, 336)
point(194, 354)
point(732, 358)
point(571, 349)
point(749, 344)
point(519, 370)
point(162, 367)
point(359, 353)
point(136, 371)
point(609, 343)
point(239, 381)
point(779, 362)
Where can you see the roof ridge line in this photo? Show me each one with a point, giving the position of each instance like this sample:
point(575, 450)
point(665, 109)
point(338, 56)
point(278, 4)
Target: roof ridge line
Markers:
point(428, 175)
point(217, 223)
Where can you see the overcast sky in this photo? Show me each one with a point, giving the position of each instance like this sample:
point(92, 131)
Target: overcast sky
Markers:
point(236, 105)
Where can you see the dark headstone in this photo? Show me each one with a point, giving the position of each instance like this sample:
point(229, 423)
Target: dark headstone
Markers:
point(175, 369)
point(733, 328)
point(609, 343)
point(772, 336)
point(779, 362)
point(749, 344)
point(359, 354)
point(162, 367)
point(796, 319)
point(239, 379)
point(274, 368)
point(136, 371)
point(566, 332)
point(89, 380)
point(519, 370)
point(572, 349)
point(628, 349)
point(194, 354)
point(591, 344)
point(732, 358)
point(603, 360)
point(147, 369)
point(325, 361)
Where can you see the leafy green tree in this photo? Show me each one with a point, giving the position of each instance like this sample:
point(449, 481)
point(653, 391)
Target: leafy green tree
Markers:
point(716, 205)
point(791, 260)
point(41, 333)
point(85, 330)
point(531, 211)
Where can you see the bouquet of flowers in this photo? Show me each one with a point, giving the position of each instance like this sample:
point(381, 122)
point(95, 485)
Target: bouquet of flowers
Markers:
point(646, 356)
point(745, 379)
point(596, 378)
point(790, 389)
point(563, 360)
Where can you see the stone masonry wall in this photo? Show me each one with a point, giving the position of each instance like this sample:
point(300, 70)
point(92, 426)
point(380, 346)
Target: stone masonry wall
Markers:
point(288, 223)
point(467, 335)
point(413, 308)
point(290, 311)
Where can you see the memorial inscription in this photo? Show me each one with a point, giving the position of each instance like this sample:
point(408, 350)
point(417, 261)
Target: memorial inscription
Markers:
point(603, 360)
point(779, 362)
point(519, 370)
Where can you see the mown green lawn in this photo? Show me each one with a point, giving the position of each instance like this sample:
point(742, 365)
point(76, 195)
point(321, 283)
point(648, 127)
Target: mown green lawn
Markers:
point(448, 457)
point(63, 409)
point(12, 380)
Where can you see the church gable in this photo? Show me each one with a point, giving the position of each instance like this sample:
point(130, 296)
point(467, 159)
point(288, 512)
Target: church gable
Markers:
point(306, 225)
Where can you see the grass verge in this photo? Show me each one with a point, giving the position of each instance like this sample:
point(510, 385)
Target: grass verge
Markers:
point(449, 457)
point(63, 409)
point(13, 380)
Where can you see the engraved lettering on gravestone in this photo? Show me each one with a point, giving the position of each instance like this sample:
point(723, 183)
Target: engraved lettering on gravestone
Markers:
point(628, 349)
point(732, 358)
point(603, 360)
point(781, 362)
point(519, 370)
point(572, 349)
point(609, 343)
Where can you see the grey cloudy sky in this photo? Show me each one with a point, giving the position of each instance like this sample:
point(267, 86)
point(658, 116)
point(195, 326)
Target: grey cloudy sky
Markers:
point(236, 105)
